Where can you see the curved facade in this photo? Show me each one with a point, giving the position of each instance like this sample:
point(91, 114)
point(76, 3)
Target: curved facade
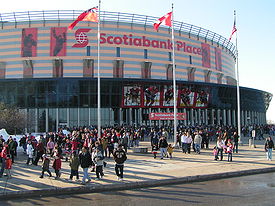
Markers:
point(51, 72)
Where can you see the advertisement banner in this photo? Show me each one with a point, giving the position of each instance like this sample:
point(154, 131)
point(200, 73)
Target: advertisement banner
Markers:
point(166, 116)
point(151, 96)
point(186, 97)
point(131, 96)
point(202, 98)
point(218, 59)
point(206, 55)
point(29, 42)
point(58, 41)
point(168, 96)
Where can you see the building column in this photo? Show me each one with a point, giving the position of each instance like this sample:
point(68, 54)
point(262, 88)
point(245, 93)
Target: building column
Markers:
point(130, 116)
point(199, 116)
point(68, 117)
point(229, 112)
point(185, 121)
point(212, 116)
point(218, 117)
point(234, 117)
point(47, 120)
point(57, 118)
point(224, 117)
point(242, 118)
point(206, 116)
point(78, 117)
point(36, 120)
point(191, 116)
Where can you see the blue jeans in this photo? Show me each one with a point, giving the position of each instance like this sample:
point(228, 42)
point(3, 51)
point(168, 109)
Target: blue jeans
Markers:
point(269, 154)
point(198, 148)
point(163, 152)
point(85, 175)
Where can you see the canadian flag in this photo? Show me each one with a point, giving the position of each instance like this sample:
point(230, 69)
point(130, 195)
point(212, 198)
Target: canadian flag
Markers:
point(166, 19)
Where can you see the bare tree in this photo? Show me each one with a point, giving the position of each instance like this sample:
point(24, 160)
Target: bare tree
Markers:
point(11, 119)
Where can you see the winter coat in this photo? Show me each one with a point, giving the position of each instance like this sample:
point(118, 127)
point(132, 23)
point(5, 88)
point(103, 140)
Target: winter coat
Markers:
point(85, 159)
point(119, 156)
point(74, 162)
point(57, 164)
point(97, 158)
point(197, 139)
point(30, 150)
point(8, 163)
point(46, 164)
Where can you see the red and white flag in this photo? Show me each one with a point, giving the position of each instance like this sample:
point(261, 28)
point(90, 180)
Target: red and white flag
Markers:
point(233, 30)
point(89, 15)
point(166, 19)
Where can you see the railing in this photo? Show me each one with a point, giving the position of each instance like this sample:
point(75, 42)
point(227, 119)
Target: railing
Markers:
point(59, 15)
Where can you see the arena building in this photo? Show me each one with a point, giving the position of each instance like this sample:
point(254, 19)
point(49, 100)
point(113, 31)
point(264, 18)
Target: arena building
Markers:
point(50, 72)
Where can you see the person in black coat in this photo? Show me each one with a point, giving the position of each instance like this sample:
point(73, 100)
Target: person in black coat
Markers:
point(85, 162)
point(269, 145)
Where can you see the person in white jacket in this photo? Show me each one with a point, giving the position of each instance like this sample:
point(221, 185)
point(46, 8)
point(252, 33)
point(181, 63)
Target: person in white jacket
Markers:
point(30, 151)
point(197, 142)
point(97, 158)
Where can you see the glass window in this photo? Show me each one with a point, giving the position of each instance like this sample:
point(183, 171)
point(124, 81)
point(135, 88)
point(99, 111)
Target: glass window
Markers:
point(145, 54)
point(118, 52)
point(169, 56)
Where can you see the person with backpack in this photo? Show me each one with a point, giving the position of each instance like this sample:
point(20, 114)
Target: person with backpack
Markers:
point(97, 158)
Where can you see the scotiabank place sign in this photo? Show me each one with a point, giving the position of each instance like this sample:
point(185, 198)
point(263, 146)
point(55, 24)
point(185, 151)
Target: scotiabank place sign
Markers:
point(131, 40)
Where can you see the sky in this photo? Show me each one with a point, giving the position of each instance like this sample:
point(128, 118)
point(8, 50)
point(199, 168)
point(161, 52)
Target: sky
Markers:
point(255, 24)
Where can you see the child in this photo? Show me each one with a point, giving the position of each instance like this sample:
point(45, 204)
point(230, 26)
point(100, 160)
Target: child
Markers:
point(8, 166)
point(97, 158)
point(45, 166)
point(215, 153)
point(229, 150)
point(30, 151)
point(154, 150)
point(57, 166)
point(170, 150)
point(74, 164)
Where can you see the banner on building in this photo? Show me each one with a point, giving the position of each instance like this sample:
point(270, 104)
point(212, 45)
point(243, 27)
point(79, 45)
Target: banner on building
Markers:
point(206, 55)
point(132, 96)
point(29, 42)
point(58, 41)
point(151, 96)
point(218, 59)
point(166, 116)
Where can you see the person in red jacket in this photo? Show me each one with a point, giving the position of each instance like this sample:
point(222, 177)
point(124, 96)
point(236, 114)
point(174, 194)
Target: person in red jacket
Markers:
point(3, 156)
point(8, 166)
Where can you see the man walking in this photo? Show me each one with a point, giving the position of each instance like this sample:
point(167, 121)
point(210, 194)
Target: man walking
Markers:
point(119, 157)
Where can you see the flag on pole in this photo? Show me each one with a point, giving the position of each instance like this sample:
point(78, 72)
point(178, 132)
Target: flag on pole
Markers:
point(233, 30)
point(166, 19)
point(89, 15)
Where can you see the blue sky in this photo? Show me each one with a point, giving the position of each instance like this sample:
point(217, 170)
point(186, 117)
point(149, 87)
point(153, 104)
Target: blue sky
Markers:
point(255, 24)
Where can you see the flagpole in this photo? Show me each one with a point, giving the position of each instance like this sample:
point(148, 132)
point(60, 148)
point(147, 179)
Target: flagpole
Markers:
point(98, 74)
point(174, 79)
point(238, 86)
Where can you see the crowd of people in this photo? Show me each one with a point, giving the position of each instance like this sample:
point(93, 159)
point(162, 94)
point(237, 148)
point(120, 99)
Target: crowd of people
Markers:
point(82, 147)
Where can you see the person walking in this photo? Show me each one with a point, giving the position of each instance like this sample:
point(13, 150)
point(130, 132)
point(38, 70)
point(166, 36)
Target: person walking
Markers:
point(40, 150)
point(74, 164)
point(236, 142)
point(3, 156)
point(220, 147)
point(97, 158)
point(163, 147)
point(269, 145)
point(30, 151)
point(45, 166)
point(85, 162)
point(184, 145)
point(197, 142)
point(120, 157)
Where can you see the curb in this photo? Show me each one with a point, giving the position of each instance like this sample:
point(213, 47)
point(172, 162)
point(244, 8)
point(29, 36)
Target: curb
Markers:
point(130, 185)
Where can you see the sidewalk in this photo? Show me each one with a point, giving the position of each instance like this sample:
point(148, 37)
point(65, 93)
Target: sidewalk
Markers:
point(141, 170)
